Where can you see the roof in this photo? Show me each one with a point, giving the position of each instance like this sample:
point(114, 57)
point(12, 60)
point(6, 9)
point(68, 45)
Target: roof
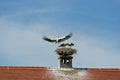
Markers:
point(44, 73)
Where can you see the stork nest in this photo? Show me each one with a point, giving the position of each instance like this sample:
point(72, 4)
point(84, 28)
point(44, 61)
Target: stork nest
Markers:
point(65, 51)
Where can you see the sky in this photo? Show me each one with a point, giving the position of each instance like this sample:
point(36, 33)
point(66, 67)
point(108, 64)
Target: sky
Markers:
point(95, 25)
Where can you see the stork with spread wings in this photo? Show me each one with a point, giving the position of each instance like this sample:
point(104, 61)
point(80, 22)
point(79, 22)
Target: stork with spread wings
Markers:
point(59, 39)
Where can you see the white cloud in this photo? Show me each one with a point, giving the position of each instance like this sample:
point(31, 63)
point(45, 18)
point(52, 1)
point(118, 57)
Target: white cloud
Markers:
point(23, 45)
point(19, 43)
point(96, 53)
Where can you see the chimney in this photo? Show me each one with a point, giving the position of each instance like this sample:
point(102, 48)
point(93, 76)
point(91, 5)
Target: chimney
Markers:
point(65, 57)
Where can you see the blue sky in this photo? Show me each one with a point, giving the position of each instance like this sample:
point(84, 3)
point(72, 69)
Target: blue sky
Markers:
point(95, 25)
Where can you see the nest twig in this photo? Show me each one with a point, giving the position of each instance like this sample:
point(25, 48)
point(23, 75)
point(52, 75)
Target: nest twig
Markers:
point(65, 51)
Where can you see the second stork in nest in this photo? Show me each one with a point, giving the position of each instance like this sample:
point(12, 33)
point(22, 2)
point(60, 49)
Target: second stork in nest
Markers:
point(66, 44)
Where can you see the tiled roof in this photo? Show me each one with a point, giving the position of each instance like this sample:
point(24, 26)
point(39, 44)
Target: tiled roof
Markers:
point(43, 73)
point(103, 74)
point(24, 73)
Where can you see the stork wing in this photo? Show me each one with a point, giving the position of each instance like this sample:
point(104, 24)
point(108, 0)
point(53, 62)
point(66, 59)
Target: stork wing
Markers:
point(48, 39)
point(65, 37)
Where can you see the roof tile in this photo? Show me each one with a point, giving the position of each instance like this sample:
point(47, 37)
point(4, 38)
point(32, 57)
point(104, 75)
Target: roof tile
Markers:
point(44, 73)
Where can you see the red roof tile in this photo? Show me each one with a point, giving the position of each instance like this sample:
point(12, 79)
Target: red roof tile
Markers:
point(42, 73)
point(24, 73)
point(103, 74)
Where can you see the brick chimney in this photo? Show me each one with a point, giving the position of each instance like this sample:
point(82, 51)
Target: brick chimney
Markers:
point(65, 57)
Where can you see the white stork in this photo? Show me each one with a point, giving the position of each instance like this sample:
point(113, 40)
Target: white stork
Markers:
point(59, 39)
point(66, 44)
